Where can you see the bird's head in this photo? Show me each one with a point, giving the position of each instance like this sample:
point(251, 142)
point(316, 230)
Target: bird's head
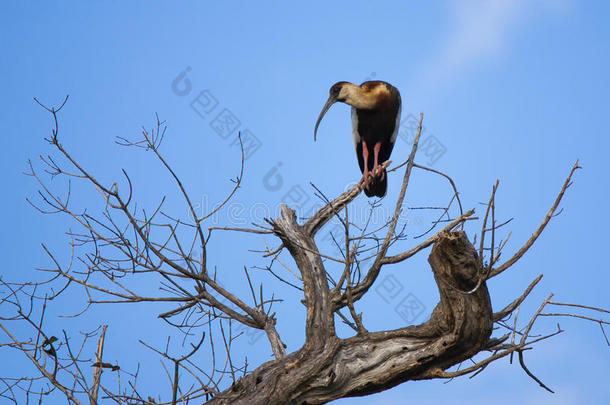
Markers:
point(366, 96)
point(340, 91)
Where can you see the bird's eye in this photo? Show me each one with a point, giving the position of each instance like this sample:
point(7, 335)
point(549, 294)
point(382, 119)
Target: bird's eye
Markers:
point(336, 90)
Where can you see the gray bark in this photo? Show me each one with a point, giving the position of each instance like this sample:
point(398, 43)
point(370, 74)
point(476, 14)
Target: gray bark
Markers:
point(328, 368)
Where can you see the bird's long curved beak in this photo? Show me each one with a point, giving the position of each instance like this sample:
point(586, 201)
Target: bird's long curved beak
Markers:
point(331, 100)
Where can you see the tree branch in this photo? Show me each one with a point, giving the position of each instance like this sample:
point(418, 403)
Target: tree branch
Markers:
point(541, 227)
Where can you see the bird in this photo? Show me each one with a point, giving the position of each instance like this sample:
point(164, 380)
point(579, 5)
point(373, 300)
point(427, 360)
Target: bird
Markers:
point(375, 117)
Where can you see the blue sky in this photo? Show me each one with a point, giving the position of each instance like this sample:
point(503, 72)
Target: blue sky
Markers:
point(512, 90)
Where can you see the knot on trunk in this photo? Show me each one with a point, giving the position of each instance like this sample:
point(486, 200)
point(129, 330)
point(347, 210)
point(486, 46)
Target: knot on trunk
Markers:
point(455, 261)
point(464, 314)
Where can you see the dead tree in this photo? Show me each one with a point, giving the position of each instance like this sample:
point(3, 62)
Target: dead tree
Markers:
point(126, 243)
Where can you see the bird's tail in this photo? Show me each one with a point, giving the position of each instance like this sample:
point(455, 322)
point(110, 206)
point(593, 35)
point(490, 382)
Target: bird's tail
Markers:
point(378, 186)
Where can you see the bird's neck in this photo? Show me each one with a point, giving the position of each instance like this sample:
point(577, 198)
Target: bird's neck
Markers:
point(363, 99)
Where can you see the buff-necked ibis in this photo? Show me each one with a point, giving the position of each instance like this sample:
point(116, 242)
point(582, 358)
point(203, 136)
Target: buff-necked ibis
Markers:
point(375, 117)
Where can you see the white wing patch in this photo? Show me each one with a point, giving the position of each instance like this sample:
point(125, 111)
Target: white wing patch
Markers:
point(355, 135)
point(393, 138)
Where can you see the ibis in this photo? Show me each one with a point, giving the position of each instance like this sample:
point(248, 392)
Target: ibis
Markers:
point(375, 117)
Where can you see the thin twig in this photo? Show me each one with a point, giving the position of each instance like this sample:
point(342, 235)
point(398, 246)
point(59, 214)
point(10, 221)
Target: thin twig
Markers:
point(541, 227)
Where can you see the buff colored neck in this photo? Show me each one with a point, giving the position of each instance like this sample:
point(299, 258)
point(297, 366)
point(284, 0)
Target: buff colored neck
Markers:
point(359, 98)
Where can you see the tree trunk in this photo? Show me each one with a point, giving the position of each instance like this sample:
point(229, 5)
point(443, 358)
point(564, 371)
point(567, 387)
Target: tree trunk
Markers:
point(458, 328)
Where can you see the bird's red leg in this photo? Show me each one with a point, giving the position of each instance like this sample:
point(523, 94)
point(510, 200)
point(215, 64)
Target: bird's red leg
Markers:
point(377, 170)
point(365, 173)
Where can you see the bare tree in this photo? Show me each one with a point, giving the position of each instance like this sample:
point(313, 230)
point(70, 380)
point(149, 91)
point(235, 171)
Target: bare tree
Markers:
point(124, 244)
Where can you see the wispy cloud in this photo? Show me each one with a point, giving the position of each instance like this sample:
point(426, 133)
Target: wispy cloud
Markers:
point(481, 31)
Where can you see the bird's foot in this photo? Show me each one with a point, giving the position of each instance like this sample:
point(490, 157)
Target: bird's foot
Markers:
point(378, 172)
point(368, 176)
